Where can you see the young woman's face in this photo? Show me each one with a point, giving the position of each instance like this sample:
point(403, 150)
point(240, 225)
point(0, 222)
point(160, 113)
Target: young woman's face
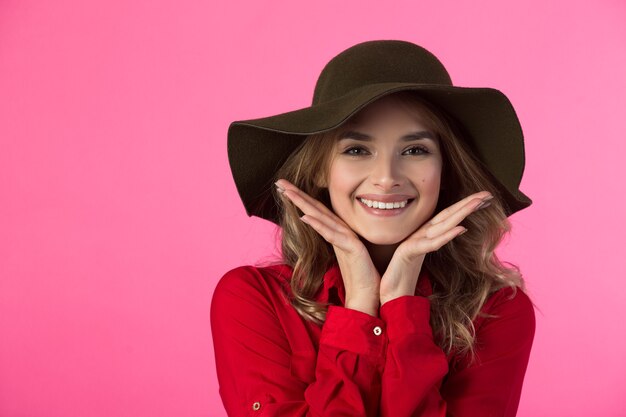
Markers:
point(390, 157)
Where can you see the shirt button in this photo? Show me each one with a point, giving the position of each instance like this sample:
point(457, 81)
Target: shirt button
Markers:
point(378, 330)
point(256, 406)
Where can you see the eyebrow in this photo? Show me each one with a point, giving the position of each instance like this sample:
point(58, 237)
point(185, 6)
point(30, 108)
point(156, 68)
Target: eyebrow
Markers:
point(353, 134)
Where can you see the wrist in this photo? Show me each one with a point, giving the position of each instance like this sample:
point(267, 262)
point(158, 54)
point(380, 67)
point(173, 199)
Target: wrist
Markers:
point(389, 297)
point(367, 307)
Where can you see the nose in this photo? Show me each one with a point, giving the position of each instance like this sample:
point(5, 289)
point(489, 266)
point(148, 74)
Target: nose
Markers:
point(386, 173)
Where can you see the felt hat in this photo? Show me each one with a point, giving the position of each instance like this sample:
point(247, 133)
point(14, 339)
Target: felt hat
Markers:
point(351, 80)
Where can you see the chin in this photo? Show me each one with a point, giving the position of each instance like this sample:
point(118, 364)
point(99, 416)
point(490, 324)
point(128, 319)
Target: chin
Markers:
point(385, 240)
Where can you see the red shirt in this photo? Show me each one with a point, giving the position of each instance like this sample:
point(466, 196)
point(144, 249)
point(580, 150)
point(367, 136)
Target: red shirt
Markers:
point(272, 362)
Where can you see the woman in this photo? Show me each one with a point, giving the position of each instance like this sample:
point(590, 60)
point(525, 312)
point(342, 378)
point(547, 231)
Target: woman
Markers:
point(392, 192)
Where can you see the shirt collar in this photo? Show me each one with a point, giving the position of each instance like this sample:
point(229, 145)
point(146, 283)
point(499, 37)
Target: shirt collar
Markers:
point(333, 285)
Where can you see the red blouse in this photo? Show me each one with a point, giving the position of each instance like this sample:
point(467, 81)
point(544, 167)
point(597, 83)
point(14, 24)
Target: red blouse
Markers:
point(272, 362)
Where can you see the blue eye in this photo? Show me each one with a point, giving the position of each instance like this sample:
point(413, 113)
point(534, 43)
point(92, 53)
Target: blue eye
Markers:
point(421, 150)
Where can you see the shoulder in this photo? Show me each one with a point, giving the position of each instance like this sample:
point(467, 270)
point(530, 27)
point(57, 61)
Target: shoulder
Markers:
point(510, 312)
point(247, 309)
point(509, 300)
point(247, 276)
point(249, 284)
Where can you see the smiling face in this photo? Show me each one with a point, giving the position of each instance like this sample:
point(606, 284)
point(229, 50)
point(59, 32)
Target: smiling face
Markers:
point(387, 154)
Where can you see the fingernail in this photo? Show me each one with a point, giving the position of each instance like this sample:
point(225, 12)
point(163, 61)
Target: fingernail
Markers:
point(482, 205)
point(279, 188)
point(463, 231)
point(489, 197)
point(304, 220)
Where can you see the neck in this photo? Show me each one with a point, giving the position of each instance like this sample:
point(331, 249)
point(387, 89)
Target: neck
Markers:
point(381, 255)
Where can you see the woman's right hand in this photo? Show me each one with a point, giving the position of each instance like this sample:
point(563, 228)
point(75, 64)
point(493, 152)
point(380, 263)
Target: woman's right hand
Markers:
point(360, 277)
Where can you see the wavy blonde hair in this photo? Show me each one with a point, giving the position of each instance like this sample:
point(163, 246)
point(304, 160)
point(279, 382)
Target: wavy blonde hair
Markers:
point(465, 271)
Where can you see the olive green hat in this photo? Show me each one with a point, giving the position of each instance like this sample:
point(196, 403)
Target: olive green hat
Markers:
point(361, 74)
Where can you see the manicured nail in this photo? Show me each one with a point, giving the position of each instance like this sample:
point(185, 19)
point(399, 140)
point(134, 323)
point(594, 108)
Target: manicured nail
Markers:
point(482, 205)
point(279, 188)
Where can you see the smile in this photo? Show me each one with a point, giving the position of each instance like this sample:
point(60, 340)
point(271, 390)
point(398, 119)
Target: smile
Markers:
point(382, 205)
point(395, 209)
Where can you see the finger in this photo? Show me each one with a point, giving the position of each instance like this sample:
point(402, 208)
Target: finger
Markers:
point(308, 204)
point(444, 214)
point(331, 227)
point(453, 219)
point(439, 241)
point(286, 185)
point(317, 215)
point(334, 236)
point(426, 245)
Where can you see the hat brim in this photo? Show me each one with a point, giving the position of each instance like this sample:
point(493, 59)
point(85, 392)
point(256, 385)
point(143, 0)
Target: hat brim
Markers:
point(258, 147)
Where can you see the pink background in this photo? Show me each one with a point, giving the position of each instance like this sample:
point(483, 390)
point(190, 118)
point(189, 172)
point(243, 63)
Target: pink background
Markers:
point(118, 214)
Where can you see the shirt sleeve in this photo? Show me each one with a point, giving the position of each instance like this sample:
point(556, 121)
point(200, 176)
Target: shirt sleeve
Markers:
point(253, 357)
point(416, 382)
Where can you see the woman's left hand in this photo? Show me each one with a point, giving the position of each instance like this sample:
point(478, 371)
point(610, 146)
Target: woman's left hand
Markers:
point(403, 270)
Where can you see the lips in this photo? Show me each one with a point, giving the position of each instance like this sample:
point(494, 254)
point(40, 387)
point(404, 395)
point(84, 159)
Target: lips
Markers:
point(386, 198)
point(387, 206)
point(395, 207)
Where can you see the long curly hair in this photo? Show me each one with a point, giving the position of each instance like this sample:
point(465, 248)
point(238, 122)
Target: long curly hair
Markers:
point(464, 272)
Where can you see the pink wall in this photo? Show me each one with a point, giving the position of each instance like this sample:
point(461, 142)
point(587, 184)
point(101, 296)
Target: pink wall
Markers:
point(118, 214)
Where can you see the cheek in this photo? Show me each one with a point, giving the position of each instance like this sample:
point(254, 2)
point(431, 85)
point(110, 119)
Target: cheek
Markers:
point(429, 177)
point(342, 183)
point(431, 181)
point(342, 179)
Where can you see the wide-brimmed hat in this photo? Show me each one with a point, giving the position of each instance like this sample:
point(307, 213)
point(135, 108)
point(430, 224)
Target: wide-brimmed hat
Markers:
point(361, 74)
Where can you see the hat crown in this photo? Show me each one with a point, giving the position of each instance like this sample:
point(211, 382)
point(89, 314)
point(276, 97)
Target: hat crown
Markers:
point(379, 61)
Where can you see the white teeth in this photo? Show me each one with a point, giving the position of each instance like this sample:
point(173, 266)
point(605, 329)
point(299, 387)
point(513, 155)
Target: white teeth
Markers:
point(384, 206)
